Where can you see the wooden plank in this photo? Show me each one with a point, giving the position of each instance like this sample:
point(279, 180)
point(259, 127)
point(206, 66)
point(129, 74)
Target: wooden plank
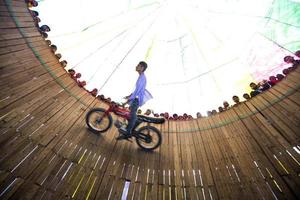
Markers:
point(285, 106)
point(258, 180)
point(280, 122)
point(26, 191)
point(204, 173)
point(38, 117)
point(244, 147)
point(18, 109)
point(9, 187)
point(21, 41)
point(212, 158)
point(222, 159)
point(258, 133)
point(17, 4)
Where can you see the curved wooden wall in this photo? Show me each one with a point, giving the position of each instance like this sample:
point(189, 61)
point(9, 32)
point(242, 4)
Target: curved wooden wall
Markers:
point(46, 152)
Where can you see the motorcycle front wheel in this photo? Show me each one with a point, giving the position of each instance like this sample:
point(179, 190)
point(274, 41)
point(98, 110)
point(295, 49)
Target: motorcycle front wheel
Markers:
point(98, 121)
point(148, 138)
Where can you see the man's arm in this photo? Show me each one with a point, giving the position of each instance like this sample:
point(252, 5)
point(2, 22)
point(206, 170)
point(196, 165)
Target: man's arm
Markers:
point(127, 99)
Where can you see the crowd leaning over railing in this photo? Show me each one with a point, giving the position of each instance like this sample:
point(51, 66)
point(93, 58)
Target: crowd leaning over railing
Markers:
point(256, 88)
point(43, 30)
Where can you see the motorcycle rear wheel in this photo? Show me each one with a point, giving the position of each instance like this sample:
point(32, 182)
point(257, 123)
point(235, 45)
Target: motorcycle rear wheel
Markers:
point(149, 138)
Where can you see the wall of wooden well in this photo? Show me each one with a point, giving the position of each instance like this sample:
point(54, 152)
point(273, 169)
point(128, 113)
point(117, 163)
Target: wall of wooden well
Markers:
point(46, 151)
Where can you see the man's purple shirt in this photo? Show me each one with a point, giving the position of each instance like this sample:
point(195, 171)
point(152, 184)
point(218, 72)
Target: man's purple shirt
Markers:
point(140, 91)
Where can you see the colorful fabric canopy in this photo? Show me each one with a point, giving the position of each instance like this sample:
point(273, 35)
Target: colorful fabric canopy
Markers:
point(199, 53)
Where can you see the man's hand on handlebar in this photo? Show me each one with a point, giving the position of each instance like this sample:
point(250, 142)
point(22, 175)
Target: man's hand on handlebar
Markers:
point(127, 97)
point(123, 104)
point(127, 100)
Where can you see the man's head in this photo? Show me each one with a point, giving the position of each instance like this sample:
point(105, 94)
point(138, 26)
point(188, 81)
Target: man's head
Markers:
point(166, 115)
point(285, 71)
point(272, 78)
point(225, 104)
point(44, 35)
point(101, 97)
point(37, 20)
point(288, 59)
point(236, 99)
point(199, 115)
point(279, 77)
point(220, 108)
point(148, 112)
point(53, 48)
point(246, 96)
point(48, 42)
point(34, 3)
point(253, 86)
point(34, 13)
point(58, 55)
point(45, 28)
point(175, 116)
point(141, 67)
point(208, 113)
point(64, 64)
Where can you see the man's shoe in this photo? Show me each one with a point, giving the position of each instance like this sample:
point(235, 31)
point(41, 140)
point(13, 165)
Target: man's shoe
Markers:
point(123, 134)
point(123, 137)
point(123, 130)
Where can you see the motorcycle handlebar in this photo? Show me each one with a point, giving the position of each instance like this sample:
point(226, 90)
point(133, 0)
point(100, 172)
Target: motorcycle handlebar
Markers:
point(118, 104)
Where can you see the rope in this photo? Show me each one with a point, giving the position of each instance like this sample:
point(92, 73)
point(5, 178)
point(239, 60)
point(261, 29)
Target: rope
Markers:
point(115, 37)
point(118, 65)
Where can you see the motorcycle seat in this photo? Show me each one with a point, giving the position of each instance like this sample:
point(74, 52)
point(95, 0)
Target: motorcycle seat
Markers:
point(154, 120)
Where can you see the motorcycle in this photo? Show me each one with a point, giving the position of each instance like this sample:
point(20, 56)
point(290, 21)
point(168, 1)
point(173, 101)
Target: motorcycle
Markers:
point(147, 137)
